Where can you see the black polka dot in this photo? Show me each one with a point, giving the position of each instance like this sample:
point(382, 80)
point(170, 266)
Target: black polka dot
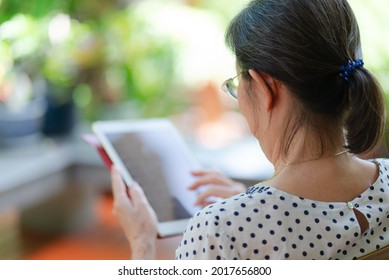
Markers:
point(302, 219)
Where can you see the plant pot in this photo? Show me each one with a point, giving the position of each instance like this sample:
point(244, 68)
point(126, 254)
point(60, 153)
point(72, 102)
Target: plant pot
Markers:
point(60, 118)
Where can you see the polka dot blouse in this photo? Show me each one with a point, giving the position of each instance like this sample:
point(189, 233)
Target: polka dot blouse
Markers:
point(266, 223)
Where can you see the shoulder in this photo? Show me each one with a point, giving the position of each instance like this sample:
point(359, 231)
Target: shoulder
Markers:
point(213, 232)
point(382, 162)
point(228, 215)
point(254, 199)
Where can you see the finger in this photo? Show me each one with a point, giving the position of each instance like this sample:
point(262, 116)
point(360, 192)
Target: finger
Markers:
point(205, 172)
point(118, 187)
point(210, 178)
point(212, 191)
point(199, 172)
point(201, 182)
point(205, 203)
point(137, 194)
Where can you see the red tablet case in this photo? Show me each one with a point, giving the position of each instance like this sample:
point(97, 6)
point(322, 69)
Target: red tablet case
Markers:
point(92, 140)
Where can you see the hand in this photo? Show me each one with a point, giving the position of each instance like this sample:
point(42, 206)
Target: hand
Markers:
point(217, 186)
point(136, 217)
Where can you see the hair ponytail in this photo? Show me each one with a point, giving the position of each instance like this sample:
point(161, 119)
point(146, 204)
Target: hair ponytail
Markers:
point(365, 120)
point(303, 44)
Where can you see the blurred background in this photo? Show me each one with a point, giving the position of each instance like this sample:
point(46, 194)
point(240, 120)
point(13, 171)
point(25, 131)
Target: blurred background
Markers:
point(67, 63)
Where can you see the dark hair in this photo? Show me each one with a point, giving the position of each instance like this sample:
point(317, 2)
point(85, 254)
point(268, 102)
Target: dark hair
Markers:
point(304, 43)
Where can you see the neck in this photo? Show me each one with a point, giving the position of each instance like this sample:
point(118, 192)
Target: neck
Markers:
point(306, 148)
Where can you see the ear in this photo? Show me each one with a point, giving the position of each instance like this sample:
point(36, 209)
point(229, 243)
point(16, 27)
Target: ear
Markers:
point(268, 86)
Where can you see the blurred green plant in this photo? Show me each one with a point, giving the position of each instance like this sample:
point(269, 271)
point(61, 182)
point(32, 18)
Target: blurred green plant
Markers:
point(104, 55)
point(123, 50)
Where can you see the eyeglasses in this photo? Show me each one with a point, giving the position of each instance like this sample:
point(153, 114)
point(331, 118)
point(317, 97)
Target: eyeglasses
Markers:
point(230, 86)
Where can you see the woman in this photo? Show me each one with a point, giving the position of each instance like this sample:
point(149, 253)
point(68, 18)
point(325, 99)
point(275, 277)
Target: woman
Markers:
point(312, 105)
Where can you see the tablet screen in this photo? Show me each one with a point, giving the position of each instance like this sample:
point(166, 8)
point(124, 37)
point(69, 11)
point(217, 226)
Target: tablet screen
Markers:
point(161, 167)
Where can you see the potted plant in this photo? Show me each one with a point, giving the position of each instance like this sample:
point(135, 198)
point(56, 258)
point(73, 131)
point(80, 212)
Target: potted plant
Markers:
point(21, 93)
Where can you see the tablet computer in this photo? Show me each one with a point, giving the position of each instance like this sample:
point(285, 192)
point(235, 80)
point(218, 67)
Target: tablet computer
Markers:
point(154, 154)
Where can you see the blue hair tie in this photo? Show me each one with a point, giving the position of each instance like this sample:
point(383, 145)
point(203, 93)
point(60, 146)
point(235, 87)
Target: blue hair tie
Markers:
point(347, 69)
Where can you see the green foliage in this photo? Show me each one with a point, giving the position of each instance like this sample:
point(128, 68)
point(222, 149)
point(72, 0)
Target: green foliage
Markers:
point(115, 52)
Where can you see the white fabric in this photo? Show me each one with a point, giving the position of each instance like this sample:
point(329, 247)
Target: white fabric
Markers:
point(266, 223)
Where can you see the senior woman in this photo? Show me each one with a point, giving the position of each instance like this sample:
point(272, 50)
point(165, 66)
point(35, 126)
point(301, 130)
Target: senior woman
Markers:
point(308, 99)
